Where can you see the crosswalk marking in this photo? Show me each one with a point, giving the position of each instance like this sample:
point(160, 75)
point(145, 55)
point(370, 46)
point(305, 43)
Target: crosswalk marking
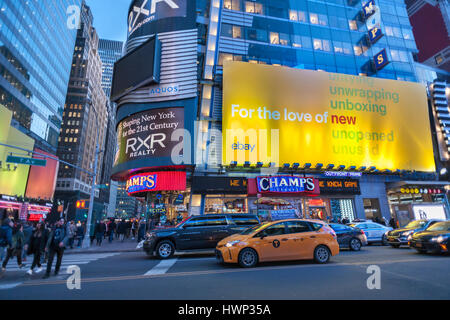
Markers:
point(161, 267)
point(69, 260)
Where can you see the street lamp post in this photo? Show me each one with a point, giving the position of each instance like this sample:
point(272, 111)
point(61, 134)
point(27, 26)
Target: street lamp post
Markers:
point(87, 240)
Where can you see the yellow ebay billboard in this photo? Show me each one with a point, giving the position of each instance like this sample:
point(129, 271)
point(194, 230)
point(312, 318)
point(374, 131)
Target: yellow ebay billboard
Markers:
point(285, 115)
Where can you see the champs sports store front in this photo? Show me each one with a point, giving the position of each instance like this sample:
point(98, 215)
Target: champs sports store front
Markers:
point(285, 197)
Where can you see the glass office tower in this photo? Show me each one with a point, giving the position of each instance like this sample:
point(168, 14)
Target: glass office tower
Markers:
point(36, 46)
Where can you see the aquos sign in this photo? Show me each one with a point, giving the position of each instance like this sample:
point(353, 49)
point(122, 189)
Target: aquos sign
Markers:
point(288, 184)
point(144, 11)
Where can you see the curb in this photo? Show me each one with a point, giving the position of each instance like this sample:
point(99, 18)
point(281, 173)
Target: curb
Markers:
point(101, 251)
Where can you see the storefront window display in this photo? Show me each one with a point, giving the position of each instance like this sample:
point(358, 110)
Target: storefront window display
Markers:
point(168, 208)
point(217, 204)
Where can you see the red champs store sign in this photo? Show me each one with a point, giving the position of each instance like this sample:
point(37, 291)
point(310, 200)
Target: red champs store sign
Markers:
point(156, 181)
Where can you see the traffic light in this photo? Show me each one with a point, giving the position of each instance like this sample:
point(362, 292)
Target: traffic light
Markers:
point(82, 204)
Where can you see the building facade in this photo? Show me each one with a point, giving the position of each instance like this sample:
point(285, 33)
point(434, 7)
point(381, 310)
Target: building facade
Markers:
point(430, 20)
point(172, 117)
point(84, 122)
point(36, 49)
point(110, 51)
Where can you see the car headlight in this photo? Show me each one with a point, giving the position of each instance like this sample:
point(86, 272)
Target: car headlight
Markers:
point(410, 237)
point(439, 239)
point(232, 243)
point(407, 233)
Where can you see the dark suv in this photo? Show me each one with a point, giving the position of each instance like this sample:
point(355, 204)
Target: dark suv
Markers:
point(401, 236)
point(196, 232)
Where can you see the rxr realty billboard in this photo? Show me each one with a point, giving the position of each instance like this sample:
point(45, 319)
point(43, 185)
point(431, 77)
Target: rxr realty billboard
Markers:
point(148, 134)
point(285, 115)
point(143, 12)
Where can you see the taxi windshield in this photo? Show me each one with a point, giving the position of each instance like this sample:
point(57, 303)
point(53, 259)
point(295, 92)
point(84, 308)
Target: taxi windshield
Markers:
point(416, 224)
point(440, 226)
point(255, 228)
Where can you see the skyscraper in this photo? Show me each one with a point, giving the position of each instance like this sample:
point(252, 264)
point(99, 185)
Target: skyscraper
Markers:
point(36, 49)
point(110, 51)
point(84, 121)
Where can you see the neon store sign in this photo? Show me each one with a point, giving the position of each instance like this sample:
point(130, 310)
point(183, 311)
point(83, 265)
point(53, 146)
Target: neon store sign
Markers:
point(156, 181)
point(141, 183)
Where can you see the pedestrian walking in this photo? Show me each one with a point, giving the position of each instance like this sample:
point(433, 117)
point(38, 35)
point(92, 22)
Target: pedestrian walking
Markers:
point(121, 230)
point(111, 230)
point(134, 228)
point(55, 245)
point(27, 232)
point(141, 231)
point(71, 233)
point(99, 232)
point(80, 234)
point(16, 247)
point(36, 246)
point(6, 230)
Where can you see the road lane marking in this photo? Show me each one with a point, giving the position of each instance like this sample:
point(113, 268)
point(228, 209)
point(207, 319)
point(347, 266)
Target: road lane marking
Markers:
point(220, 271)
point(10, 285)
point(161, 268)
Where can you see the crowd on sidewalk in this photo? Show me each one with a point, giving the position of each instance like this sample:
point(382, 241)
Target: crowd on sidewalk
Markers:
point(43, 240)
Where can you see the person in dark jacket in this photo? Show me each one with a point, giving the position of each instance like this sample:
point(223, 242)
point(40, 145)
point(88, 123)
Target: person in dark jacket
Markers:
point(27, 232)
point(99, 232)
point(121, 230)
point(111, 230)
point(80, 234)
point(141, 231)
point(16, 247)
point(36, 246)
point(6, 230)
point(56, 243)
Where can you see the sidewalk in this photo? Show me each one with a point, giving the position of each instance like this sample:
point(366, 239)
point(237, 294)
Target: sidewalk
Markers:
point(115, 246)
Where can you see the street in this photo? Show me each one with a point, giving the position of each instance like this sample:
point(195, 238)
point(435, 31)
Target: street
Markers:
point(405, 274)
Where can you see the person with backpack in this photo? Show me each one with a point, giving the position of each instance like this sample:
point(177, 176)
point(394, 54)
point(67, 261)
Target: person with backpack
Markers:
point(16, 247)
point(56, 243)
point(36, 246)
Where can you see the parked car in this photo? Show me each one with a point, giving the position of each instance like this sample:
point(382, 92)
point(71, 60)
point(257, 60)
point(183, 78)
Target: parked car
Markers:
point(349, 237)
point(435, 238)
point(196, 232)
point(399, 237)
point(374, 232)
point(292, 239)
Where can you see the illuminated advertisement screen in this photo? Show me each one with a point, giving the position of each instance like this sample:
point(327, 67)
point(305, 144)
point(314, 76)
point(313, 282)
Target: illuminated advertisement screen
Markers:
point(285, 115)
point(148, 134)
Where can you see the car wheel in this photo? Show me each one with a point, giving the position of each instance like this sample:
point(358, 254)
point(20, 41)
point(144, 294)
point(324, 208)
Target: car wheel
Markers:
point(165, 249)
point(321, 254)
point(384, 241)
point(248, 258)
point(355, 244)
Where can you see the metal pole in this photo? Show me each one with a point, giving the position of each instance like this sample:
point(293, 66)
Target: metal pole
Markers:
point(87, 240)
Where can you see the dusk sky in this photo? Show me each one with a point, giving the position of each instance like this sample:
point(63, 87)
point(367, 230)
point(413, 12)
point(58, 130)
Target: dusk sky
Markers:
point(110, 18)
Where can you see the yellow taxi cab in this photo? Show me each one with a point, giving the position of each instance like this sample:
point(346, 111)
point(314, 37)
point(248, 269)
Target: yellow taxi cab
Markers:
point(293, 239)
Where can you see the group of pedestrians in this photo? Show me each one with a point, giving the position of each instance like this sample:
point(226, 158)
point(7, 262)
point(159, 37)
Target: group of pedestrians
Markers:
point(42, 240)
point(121, 230)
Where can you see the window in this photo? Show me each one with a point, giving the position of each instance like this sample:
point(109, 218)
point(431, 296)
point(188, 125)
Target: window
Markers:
point(284, 39)
point(313, 18)
point(274, 230)
point(353, 25)
point(215, 221)
point(244, 220)
point(274, 38)
point(322, 45)
point(237, 32)
point(297, 226)
point(253, 7)
point(295, 15)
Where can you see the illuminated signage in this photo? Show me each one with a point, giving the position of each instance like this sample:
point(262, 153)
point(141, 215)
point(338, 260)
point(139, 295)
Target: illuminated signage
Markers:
point(148, 134)
point(219, 185)
point(287, 115)
point(343, 174)
point(381, 59)
point(369, 8)
point(145, 11)
point(287, 184)
point(375, 34)
point(339, 186)
point(156, 181)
